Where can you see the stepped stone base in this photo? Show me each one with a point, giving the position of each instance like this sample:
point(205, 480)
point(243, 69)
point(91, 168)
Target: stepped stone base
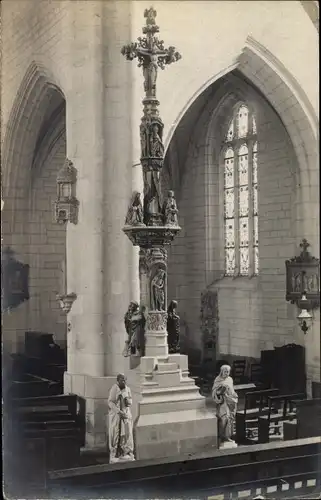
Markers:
point(174, 433)
point(172, 415)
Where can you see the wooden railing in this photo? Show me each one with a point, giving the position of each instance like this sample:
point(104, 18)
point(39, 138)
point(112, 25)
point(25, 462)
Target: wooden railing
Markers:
point(273, 470)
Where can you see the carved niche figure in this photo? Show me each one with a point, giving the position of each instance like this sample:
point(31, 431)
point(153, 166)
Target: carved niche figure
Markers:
point(158, 291)
point(156, 144)
point(143, 140)
point(135, 327)
point(297, 282)
point(135, 214)
point(170, 210)
point(226, 400)
point(173, 328)
point(310, 283)
point(152, 195)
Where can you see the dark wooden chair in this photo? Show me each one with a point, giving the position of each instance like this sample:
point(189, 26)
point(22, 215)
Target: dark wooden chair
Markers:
point(280, 409)
point(307, 422)
point(246, 422)
point(256, 376)
point(238, 372)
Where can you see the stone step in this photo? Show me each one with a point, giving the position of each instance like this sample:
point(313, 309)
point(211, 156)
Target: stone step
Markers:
point(167, 367)
point(168, 378)
point(177, 391)
point(164, 406)
point(187, 381)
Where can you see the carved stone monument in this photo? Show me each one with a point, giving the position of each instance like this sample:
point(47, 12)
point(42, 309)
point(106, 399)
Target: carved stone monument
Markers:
point(172, 416)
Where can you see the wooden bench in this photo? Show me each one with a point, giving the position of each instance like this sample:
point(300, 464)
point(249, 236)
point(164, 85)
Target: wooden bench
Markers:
point(307, 422)
point(23, 364)
point(51, 413)
point(246, 422)
point(280, 408)
point(32, 386)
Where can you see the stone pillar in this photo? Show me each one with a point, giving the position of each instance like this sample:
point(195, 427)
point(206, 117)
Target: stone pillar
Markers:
point(99, 145)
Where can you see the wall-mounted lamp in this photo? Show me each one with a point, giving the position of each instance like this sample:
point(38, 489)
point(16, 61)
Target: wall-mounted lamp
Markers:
point(305, 318)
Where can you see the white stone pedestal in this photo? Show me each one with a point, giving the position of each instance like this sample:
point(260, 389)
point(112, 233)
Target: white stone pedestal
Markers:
point(95, 390)
point(172, 416)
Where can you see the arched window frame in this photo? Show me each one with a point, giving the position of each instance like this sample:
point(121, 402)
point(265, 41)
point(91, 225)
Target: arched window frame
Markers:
point(236, 143)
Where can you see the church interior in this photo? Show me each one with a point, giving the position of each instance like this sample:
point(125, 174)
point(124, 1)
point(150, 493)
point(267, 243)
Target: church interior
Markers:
point(156, 227)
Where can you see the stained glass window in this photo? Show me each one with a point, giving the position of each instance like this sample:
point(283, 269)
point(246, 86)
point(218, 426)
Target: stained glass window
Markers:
point(241, 195)
point(242, 121)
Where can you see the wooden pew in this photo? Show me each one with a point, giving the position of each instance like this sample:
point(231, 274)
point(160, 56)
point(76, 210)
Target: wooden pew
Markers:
point(307, 422)
point(23, 364)
point(238, 372)
point(32, 386)
point(256, 404)
point(280, 408)
point(53, 413)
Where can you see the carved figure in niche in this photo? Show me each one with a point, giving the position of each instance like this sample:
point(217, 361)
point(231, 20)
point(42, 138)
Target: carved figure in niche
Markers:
point(226, 400)
point(158, 291)
point(143, 140)
point(297, 282)
point(135, 327)
point(173, 328)
point(156, 144)
point(310, 283)
point(152, 195)
point(135, 214)
point(170, 210)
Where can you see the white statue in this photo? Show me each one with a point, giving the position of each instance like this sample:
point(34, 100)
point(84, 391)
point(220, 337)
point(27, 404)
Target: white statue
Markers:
point(121, 442)
point(226, 400)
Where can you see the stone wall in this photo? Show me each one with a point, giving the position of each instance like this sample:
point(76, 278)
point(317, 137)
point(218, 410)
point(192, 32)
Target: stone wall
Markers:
point(253, 313)
point(41, 243)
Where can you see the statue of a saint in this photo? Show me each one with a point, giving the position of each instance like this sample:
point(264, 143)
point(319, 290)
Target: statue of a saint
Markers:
point(156, 144)
point(120, 428)
point(158, 291)
point(135, 216)
point(170, 210)
point(226, 400)
point(135, 328)
point(173, 328)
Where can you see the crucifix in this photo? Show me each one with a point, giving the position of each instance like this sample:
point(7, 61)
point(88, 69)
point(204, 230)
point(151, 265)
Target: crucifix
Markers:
point(150, 52)
point(151, 55)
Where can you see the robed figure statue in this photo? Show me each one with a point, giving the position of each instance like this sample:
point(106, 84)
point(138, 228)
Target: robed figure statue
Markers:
point(120, 422)
point(226, 400)
point(135, 327)
point(173, 328)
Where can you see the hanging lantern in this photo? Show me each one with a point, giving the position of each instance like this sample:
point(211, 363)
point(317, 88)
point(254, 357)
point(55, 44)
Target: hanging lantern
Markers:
point(66, 205)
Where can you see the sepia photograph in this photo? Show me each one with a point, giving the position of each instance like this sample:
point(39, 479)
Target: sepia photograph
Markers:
point(160, 246)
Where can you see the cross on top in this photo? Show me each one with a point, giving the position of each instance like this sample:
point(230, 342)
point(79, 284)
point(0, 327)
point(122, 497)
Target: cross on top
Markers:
point(150, 52)
point(304, 245)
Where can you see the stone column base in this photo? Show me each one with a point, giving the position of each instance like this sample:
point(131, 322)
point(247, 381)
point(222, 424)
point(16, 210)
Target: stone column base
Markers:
point(95, 390)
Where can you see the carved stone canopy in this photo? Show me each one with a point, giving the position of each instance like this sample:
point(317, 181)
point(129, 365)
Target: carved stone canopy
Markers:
point(148, 237)
point(303, 276)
